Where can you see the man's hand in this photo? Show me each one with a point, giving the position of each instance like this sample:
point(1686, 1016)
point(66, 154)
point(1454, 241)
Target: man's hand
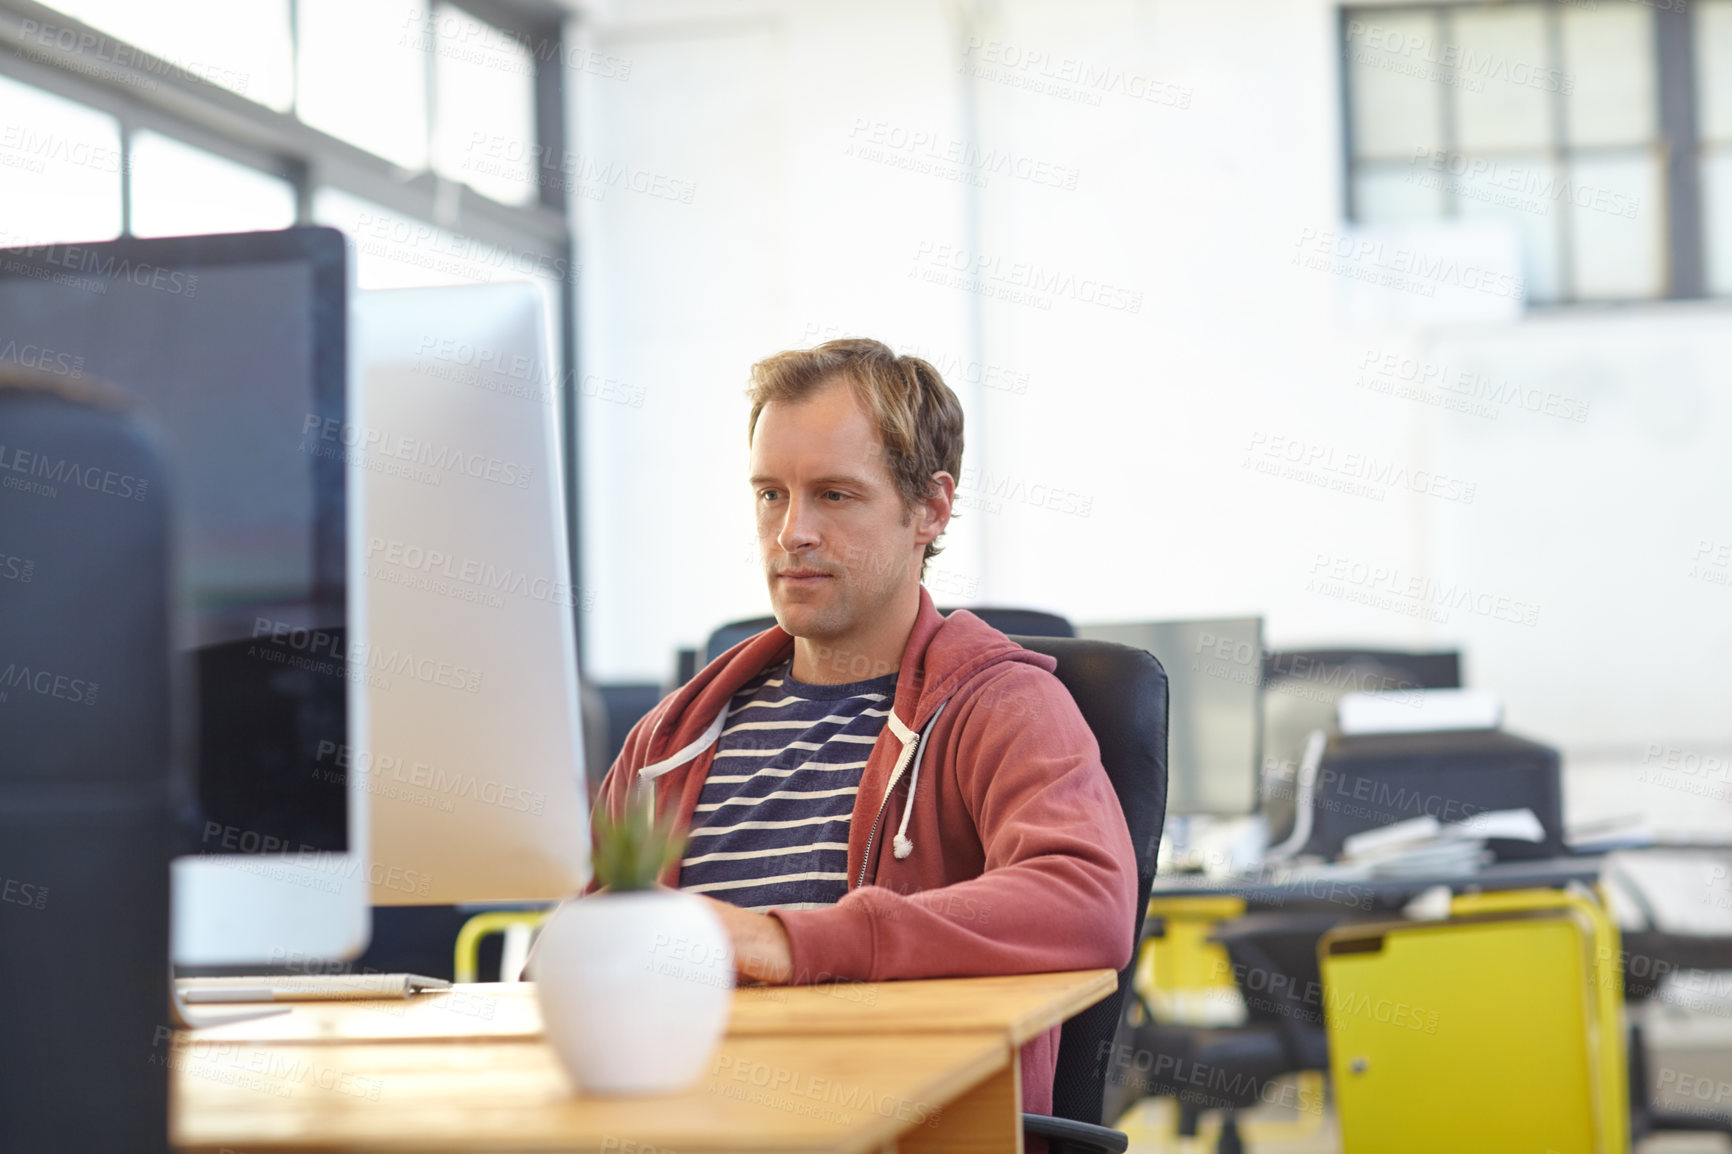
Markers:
point(761, 951)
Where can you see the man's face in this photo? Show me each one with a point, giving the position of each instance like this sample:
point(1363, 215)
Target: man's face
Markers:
point(838, 544)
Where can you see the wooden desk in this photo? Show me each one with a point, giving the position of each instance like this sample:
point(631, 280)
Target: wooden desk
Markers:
point(1018, 1006)
point(917, 1067)
point(833, 1095)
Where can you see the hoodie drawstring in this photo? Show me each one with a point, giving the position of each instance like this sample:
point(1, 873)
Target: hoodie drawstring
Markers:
point(913, 747)
point(913, 753)
point(675, 760)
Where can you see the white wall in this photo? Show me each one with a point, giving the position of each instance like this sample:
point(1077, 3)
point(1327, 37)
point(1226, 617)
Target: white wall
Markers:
point(1113, 477)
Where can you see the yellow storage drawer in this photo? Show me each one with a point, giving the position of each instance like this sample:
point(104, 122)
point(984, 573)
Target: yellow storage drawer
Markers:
point(1475, 1033)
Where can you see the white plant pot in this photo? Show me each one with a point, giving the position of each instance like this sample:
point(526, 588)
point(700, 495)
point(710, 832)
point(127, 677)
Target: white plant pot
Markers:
point(634, 990)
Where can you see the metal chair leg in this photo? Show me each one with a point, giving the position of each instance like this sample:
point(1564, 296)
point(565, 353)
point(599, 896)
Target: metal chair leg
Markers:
point(1230, 1142)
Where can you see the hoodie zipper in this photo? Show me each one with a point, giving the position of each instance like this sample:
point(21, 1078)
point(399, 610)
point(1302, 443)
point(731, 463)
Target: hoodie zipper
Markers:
point(867, 856)
point(919, 738)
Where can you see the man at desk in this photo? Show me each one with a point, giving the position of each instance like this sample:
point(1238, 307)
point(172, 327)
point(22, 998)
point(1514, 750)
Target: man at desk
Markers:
point(872, 790)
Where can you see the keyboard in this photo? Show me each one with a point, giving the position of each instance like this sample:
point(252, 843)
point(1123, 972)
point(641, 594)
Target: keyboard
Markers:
point(306, 987)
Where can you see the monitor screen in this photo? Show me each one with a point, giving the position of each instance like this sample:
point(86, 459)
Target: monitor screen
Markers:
point(1214, 694)
point(234, 348)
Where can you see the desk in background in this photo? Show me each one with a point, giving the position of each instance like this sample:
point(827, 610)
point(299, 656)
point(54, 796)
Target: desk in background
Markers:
point(1229, 977)
point(1260, 933)
point(1331, 888)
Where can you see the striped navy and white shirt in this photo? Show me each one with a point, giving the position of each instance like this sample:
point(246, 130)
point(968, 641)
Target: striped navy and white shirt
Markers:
point(771, 826)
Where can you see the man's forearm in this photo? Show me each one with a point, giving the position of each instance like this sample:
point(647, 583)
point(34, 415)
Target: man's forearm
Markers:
point(1021, 919)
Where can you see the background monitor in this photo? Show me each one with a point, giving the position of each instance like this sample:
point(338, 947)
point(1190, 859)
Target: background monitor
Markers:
point(1302, 692)
point(475, 770)
point(1214, 689)
point(235, 347)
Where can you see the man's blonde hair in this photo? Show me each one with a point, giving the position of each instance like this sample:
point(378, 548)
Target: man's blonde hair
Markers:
point(919, 419)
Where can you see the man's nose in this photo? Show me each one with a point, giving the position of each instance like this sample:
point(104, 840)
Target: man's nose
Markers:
point(799, 529)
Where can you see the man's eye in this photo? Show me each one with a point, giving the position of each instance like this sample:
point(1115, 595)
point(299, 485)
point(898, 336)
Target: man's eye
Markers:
point(835, 494)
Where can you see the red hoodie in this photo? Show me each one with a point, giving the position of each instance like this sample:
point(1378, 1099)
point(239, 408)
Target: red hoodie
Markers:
point(1012, 856)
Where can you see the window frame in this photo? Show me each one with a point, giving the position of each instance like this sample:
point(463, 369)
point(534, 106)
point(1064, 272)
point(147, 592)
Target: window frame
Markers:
point(231, 126)
point(1675, 138)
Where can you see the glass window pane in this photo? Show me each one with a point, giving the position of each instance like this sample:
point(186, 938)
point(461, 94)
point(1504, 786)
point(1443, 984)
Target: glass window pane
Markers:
point(1609, 61)
point(483, 107)
point(363, 75)
point(59, 169)
point(1504, 78)
point(1717, 219)
point(179, 190)
point(395, 251)
point(1619, 226)
point(1526, 191)
point(390, 251)
point(1712, 22)
point(1394, 83)
point(241, 46)
point(1398, 193)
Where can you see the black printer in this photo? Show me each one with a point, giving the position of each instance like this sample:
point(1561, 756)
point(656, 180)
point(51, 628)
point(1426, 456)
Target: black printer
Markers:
point(1372, 780)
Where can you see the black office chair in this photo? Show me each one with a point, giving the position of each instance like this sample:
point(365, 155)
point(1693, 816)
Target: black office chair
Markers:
point(625, 704)
point(1284, 1030)
point(1122, 693)
point(1023, 622)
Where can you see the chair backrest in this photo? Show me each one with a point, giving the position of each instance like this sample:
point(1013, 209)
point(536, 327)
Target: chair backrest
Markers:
point(1404, 669)
point(727, 636)
point(1023, 622)
point(93, 799)
point(1122, 694)
point(1020, 622)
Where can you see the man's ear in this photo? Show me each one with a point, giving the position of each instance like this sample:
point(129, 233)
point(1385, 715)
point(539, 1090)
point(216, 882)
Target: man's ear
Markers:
point(932, 515)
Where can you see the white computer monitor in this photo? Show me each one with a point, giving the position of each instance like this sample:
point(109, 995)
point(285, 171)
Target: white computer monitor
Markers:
point(474, 766)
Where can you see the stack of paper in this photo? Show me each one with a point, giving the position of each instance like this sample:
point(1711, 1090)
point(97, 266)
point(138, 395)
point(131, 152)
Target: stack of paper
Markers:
point(1425, 845)
point(1419, 711)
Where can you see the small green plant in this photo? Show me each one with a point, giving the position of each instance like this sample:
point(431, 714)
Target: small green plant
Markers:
point(632, 850)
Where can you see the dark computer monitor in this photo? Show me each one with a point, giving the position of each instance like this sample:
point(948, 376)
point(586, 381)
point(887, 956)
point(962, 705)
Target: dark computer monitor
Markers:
point(235, 349)
point(1302, 691)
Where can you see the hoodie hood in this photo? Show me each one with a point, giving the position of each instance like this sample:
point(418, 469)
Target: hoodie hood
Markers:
point(943, 655)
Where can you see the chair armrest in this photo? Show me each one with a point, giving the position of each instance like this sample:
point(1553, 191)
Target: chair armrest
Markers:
point(1067, 1136)
point(1258, 924)
point(1298, 1023)
point(1684, 1123)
